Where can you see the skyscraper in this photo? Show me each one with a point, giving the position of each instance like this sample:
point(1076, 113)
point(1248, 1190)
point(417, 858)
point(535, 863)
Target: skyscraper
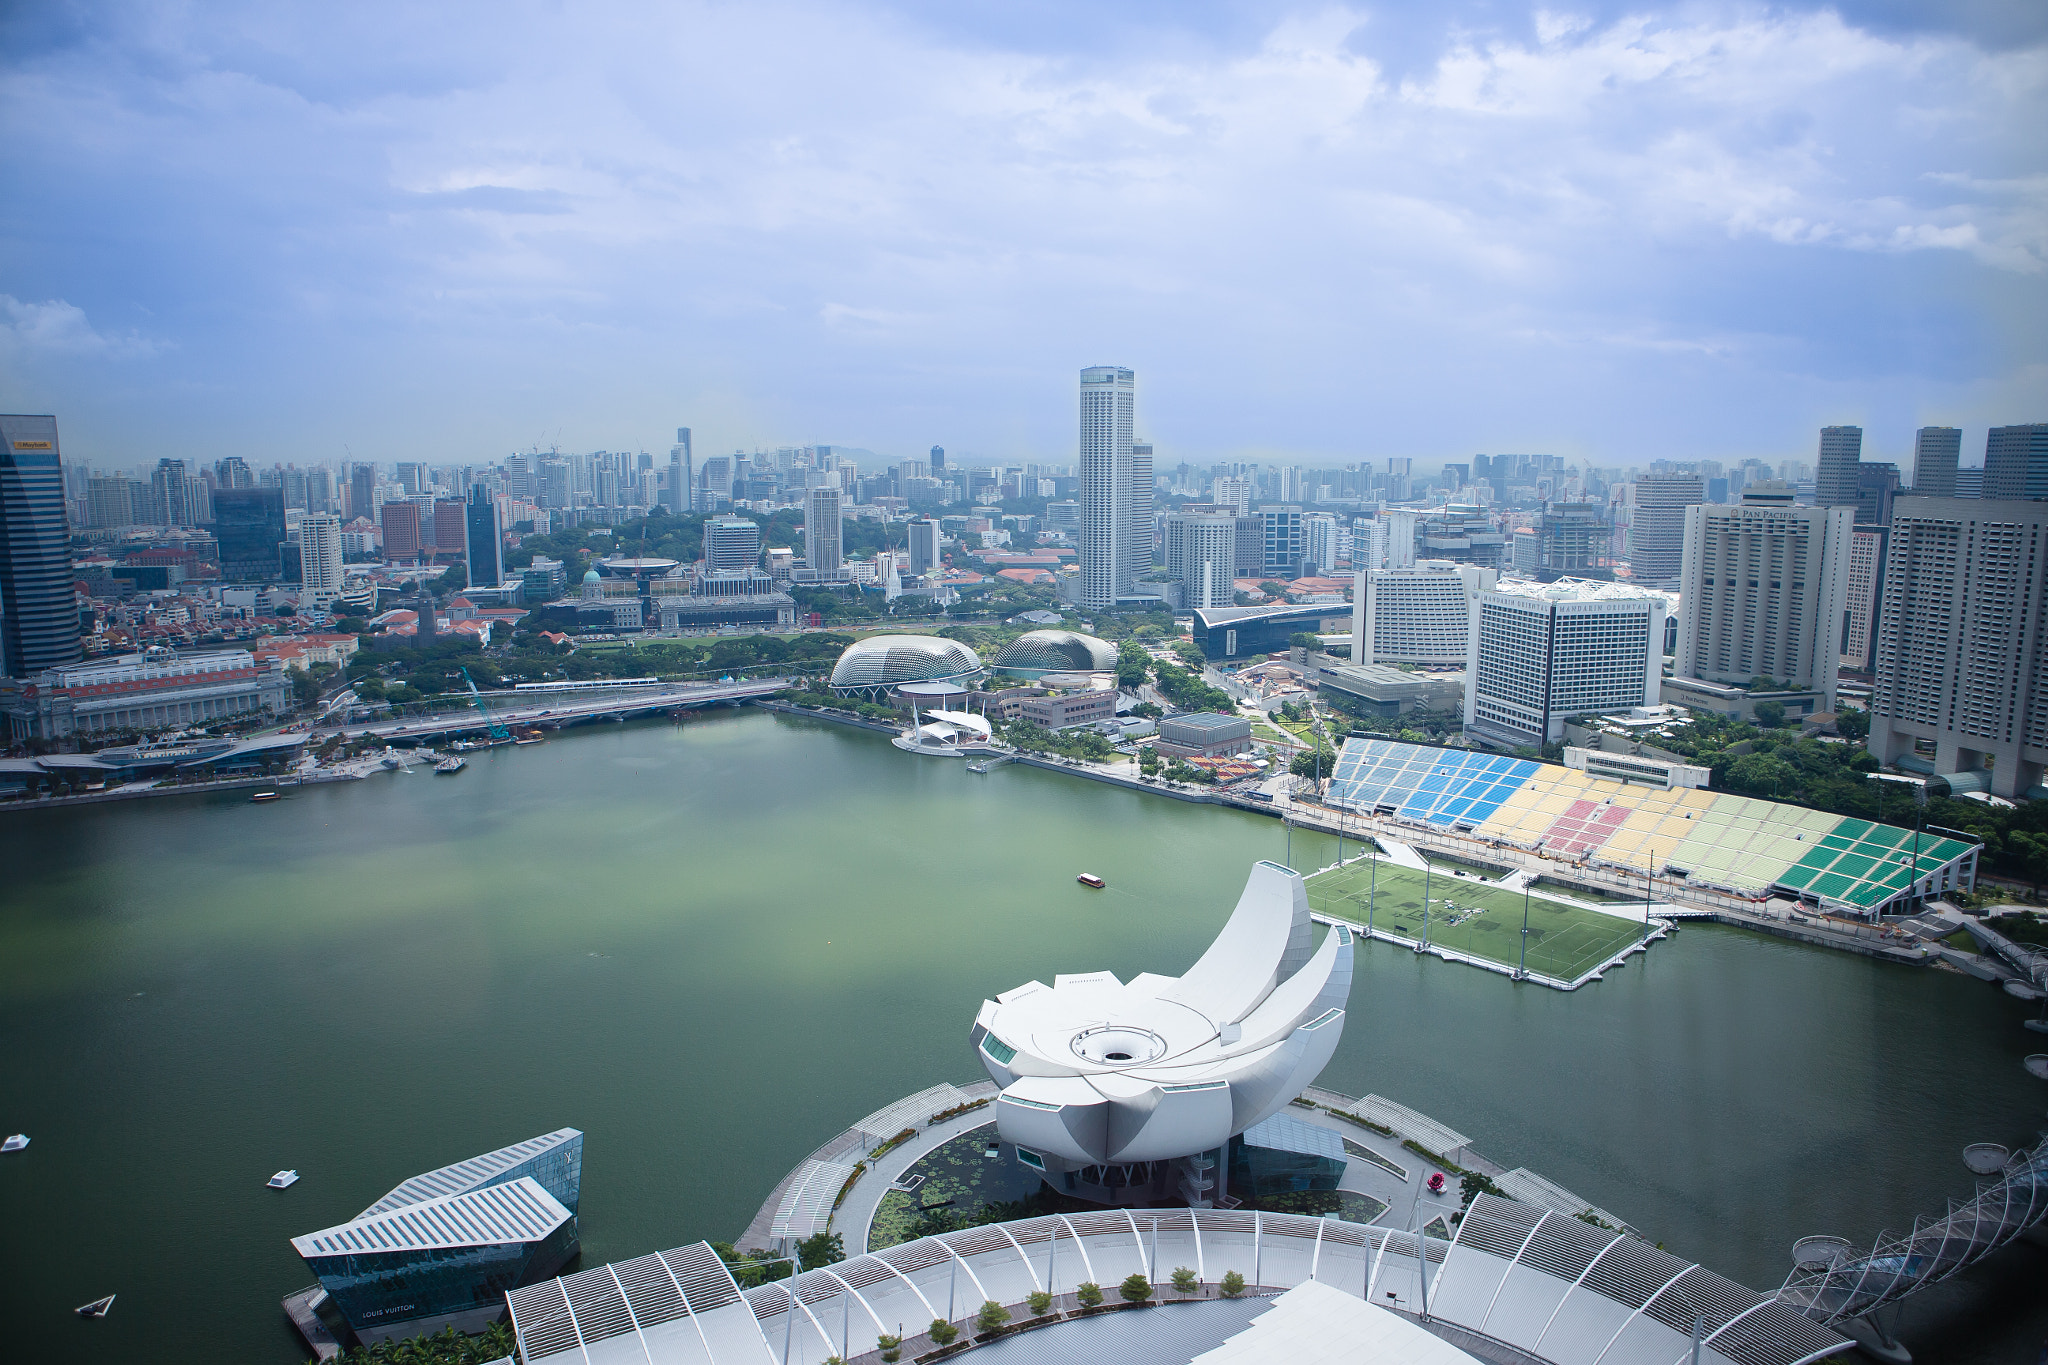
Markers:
point(2016, 462)
point(923, 535)
point(248, 524)
point(38, 608)
point(1233, 495)
point(731, 544)
point(1765, 591)
point(1657, 530)
point(362, 491)
point(681, 474)
point(320, 557)
point(1961, 676)
point(823, 531)
point(1935, 453)
point(401, 522)
point(1201, 554)
point(170, 494)
point(1538, 655)
point(939, 460)
point(1109, 520)
point(1139, 547)
point(1841, 450)
point(483, 546)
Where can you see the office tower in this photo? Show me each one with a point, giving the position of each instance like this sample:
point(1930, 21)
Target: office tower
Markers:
point(362, 491)
point(320, 489)
point(716, 481)
point(938, 459)
point(1290, 484)
point(320, 557)
point(1841, 449)
point(412, 477)
point(1415, 616)
point(171, 495)
point(1368, 543)
point(1961, 685)
point(557, 484)
point(731, 544)
point(1109, 520)
point(1400, 471)
point(248, 524)
point(1201, 555)
point(401, 522)
point(233, 472)
point(1657, 528)
point(483, 546)
point(1400, 539)
point(1935, 453)
point(924, 545)
point(1970, 482)
point(1282, 547)
point(1572, 539)
point(449, 533)
point(1141, 546)
point(1457, 475)
point(1538, 655)
point(1234, 495)
point(681, 474)
point(110, 502)
point(2016, 461)
point(1866, 576)
point(519, 477)
point(823, 531)
point(1876, 485)
point(1525, 555)
point(1765, 592)
point(38, 606)
point(1318, 542)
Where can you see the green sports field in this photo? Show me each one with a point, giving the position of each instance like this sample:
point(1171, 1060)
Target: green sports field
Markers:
point(1474, 917)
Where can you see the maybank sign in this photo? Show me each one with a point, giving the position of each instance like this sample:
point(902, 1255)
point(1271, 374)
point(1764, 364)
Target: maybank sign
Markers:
point(34, 445)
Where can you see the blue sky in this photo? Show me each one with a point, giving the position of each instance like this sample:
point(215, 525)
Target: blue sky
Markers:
point(1319, 233)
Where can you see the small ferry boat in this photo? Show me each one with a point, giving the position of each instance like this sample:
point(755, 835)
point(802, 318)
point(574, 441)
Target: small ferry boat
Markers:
point(15, 1143)
point(283, 1180)
point(530, 737)
point(451, 765)
point(97, 1308)
point(265, 796)
point(1090, 879)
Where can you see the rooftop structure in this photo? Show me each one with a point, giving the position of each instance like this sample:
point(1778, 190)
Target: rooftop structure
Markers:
point(880, 662)
point(1123, 1092)
point(1226, 633)
point(1736, 844)
point(1539, 653)
point(1039, 652)
point(1389, 691)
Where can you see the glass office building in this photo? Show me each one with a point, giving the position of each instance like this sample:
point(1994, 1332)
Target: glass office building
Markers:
point(248, 524)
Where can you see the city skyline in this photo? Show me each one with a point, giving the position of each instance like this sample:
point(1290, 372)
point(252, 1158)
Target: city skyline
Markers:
point(1708, 234)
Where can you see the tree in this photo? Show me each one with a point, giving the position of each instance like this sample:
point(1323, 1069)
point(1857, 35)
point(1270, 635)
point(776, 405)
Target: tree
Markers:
point(942, 1332)
point(1317, 762)
point(1770, 714)
point(1233, 1285)
point(1135, 1288)
point(1763, 774)
point(824, 1248)
point(1133, 665)
point(305, 687)
point(991, 1317)
point(1039, 1302)
point(1852, 724)
point(1184, 1280)
point(1089, 1294)
point(1148, 710)
point(891, 1348)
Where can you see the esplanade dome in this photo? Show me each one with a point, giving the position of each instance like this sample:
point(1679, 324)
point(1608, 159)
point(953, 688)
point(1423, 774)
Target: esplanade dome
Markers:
point(885, 660)
point(1056, 651)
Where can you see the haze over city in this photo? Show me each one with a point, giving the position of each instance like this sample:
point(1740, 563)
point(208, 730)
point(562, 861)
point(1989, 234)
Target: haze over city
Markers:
point(1322, 233)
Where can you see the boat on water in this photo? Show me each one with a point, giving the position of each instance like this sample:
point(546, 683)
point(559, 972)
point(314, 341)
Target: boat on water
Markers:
point(265, 796)
point(393, 761)
point(451, 765)
point(15, 1143)
point(97, 1308)
point(528, 737)
point(283, 1180)
point(1091, 880)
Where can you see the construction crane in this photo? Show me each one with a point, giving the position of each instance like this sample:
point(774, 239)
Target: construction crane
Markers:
point(476, 699)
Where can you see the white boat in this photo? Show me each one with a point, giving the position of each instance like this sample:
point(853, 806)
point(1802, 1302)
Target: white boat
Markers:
point(97, 1308)
point(15, 1143)
point(283, 1179)
point(451, 765)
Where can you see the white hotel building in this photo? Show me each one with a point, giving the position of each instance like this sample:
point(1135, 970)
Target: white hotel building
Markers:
point(1415, 616)
point(1541, 653)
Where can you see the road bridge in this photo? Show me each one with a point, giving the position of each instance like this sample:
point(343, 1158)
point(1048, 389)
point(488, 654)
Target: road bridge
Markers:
point(521, 711)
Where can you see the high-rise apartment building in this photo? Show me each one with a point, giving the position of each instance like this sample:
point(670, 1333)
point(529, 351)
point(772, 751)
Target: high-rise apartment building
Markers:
point(1415, 616)
point(233, 472)
point(1539, 654)
point(1201, 554)
point(320, 557)
point(401, 522)
point(38, 606)
point(731, 544)
point(1866, 577)
point(2016, 461)
point(823, 531)
point(1961, 683)
point(1834, 480)
point(1368, 543)
point(923, 547)
point(1656, 551)
point(362, 491)
point(1285, 543)
point(112, 502)
point(1318, 542)
point(1110, 520)
point(715, 482)
point(483, 540)
point(248, 525)
point(1765, 594)
point(1936, 451)
point(171, 494)
point(1233, 494)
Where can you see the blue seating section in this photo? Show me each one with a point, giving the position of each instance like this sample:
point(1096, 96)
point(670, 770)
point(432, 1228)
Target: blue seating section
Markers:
point(1438, 786)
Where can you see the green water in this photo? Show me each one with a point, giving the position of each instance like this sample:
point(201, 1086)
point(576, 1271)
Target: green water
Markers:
point(713, 947)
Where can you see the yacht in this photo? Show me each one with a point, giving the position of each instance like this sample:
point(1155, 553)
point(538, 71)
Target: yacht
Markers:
point(15, 1143)
point(97, 1308)
point(265, 796)
point(283, 1180)
point(451, 765)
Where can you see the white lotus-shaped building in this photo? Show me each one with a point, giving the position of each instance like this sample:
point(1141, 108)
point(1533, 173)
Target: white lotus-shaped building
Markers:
point(1125, 1091)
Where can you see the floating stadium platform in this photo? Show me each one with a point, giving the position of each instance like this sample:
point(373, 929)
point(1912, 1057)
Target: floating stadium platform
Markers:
point(1738, 845)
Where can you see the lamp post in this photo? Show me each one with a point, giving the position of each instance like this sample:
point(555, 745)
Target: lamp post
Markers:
point(1372, 895)
point(1522, 967)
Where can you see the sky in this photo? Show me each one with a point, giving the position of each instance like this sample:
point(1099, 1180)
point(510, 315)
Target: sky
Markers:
point(1318, 233)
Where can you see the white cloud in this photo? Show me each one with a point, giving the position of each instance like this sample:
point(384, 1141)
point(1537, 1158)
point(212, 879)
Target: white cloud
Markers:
point(59, 329)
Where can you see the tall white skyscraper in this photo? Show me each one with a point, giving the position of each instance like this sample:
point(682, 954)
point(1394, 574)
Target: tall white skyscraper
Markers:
point(1400, 539)
point(1233, 495)
point(1201, 553)
point(822, 530)
point(1110, 518)
point(320, 556)
point(1656, 547)
point(1936, 451)
point(1539, 654)
point(681, 476)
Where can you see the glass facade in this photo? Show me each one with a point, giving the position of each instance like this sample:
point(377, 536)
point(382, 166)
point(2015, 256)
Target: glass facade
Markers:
point(1282, 1156)
point(248, 523)
point(375, 1291)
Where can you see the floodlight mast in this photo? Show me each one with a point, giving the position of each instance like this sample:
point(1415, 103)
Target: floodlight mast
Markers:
point(476, 699)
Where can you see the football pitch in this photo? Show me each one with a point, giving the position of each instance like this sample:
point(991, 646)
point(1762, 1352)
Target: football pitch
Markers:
point(1473, 917)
